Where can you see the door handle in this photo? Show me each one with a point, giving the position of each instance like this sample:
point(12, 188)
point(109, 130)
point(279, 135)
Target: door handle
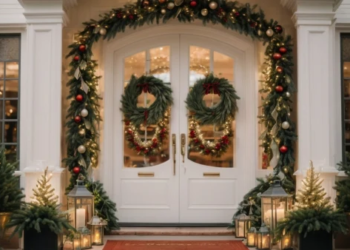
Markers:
point(183, 142)
point(174, 153)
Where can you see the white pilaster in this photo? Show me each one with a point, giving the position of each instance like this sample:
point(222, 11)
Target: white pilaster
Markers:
point(315, 29)
point(42, 94)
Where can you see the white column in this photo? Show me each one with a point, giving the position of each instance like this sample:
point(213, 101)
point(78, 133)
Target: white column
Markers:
point(315, 31)
point(41, 96)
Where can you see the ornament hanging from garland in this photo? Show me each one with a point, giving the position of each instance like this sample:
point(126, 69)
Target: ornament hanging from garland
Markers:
point(137, 117)
point(220, 115)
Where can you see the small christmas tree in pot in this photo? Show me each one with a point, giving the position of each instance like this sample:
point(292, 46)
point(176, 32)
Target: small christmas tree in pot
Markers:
point(41, 220)
point(313, 217)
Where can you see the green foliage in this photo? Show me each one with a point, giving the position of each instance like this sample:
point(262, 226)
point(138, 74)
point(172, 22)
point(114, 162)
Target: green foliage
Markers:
point(163, 100)
point(343, 187)
point(10, 194)
point(307, 220)
point(44, 194)
point(43, 211)
point(222, 111)
point(312, 195)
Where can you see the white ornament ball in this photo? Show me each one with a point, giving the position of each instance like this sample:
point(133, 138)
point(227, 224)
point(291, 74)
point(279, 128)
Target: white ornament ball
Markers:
point(84, 113)
point(269, 32)
point(213, 5)
point(103, 31)
point(171, 5)
point(285, 125)
point(81, 149)
point(163, 11)
point(204, 12)
point(288, 94)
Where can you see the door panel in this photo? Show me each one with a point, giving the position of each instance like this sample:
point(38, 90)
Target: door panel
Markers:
point(146, 189)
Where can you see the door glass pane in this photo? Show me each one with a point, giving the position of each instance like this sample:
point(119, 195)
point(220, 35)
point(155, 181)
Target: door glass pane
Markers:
point(10, 131)
point(159, 67)
point(11, 109)
point(11, 88)
point(2, 68)
point(223, 66)
point(11, 69)
point(160, 63)
point(200, 61)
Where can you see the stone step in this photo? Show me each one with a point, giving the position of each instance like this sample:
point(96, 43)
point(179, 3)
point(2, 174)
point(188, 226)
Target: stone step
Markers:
point(174, 231)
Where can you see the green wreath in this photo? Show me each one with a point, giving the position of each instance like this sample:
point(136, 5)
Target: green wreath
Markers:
point(154, 113)
point(222, 111)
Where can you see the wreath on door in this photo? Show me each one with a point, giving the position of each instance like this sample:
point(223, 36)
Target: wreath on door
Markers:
point(221, 114)
point(137, 118)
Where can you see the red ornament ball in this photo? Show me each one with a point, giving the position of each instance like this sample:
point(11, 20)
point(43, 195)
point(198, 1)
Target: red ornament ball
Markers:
point(283, 149)
point(278, 29)
point(193, 3)
point(131, 17)
point(277, 56)
point(76, 170)
point(279, 89)
point(82, 48)
point(77, 119)
point(79, 98)
point(283, 50)
point(76, 58)
point(207, 151)
point(279, 69)
point(119, 15)
point(237, 14)
point(202, 146)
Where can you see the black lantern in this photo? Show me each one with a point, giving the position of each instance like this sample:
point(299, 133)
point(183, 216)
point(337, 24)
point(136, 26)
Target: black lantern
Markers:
point(263, 238)
point(80, 205)
point(275, 203)
point(242, 224)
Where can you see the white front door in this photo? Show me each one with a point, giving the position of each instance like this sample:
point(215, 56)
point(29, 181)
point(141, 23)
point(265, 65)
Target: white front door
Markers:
point(171, 187)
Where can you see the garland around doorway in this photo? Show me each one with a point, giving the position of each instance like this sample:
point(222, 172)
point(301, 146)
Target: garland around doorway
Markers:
point(277, 86)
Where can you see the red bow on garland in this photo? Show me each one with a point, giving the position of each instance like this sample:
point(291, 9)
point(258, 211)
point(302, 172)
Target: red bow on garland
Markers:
point(144, 87)
point(211, 86)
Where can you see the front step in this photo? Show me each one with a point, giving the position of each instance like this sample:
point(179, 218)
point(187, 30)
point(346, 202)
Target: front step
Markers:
point(174, 231)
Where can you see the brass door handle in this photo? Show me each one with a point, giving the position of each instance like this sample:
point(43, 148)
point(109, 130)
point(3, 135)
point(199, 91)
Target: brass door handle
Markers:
point(174, 153)
point(183, 142)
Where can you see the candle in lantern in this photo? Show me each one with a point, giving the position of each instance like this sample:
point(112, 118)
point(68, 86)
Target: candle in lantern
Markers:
point(80, 218)
point(97, 237)
point(251, 239)
point(265, 241)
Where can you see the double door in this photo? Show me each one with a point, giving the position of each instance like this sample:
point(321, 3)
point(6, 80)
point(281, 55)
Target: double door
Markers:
point(179, 185)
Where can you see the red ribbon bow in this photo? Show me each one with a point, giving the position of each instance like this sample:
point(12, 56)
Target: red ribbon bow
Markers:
point(208, 87)
point(144, 87)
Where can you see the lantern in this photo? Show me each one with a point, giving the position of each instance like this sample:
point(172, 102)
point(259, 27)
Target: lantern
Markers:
point(275, 203)
point(251, 235)
point(263, 240)
point(85, 238)
point(286, 242)
point(97, 230)
point(80, 205)
point(242, 223)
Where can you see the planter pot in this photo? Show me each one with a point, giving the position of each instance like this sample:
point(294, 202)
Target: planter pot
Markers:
point(320, 240)
point(342, 241)
point(40, 241)
point(5, 240)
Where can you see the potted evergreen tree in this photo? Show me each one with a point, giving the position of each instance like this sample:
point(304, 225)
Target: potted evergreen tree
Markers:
point(10, 199)
point(41, 220)
point(313, 218)
point(342, 241)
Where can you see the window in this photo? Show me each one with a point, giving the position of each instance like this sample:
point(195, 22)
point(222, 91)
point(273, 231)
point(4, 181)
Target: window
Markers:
point(9, 94)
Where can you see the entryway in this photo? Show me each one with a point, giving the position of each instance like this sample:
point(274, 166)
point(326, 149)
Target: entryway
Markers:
point(179, 185)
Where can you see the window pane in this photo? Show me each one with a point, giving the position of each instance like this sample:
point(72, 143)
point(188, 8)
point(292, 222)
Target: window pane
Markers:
point(223, 66)
point(347, 132)
point(2, 68)
point(11, 89)
point(2, 110)
point(10, 132)
point(160, 63)
point(199, 63)
point(11, 70)
point(9, 48)
point(11, 109)
point(134, 65)
point(11, 153)
point(1, 88)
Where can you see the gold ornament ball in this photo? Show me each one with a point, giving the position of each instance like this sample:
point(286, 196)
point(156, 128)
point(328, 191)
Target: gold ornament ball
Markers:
point(103, 31)
point(171, 5)
point(260, 32)
point(82, 132)
point(213, 5)
point(163, 11)
point(93, 160)
point(204, 12)
point(269, 32)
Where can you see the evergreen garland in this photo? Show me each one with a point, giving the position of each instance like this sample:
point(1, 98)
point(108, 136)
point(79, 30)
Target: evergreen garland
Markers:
point(277, 85)
point(343, 187)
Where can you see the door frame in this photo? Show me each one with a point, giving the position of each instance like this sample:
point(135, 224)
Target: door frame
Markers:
point(248, 47)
